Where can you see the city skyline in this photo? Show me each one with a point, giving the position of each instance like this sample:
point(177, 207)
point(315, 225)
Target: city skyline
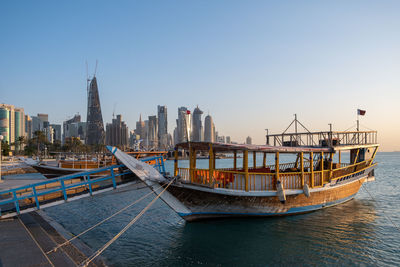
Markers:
point(244, 68)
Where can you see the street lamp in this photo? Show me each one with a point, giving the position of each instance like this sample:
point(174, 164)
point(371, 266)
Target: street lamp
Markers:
point(1, 154)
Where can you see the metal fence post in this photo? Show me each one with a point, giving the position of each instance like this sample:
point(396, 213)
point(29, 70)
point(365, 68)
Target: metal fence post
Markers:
point(36, 198)
point(63, 189)
point(113, 178)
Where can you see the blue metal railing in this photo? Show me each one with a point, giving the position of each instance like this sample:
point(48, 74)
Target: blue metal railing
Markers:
point(159, 165)
point(59, 184)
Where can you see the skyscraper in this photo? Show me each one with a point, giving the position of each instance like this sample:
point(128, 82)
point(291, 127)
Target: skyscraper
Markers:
point(197, 127)
point(56, 132)
point(117, 133)
point(140, 128)
point(209, 129)
point(153, 132)
point(248, 140)
point(40, 122)
point(183, 125)
point(162, 127)
point(94, 121)
point(28, 126)
point(19, 123)
point(7, 123)
point(69, 127)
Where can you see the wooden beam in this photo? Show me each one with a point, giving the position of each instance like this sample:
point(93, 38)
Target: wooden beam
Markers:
point(235, 160)
point(210, 164)
point(246, 168)
point(265, 160)
point(176, 162)
point(277, 166)
point(302, 168)
point(322, 168)
point(312, 169)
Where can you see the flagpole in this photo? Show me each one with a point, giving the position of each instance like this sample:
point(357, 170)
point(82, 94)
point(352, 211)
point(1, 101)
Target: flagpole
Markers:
point(358, 122)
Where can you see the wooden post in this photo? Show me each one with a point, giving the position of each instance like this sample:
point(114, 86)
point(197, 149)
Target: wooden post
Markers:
point(312, 168)
point(194, 165)
point(254, 159)
point(235, 160)
point(246, 168)
point(276, 167)
point(356, 158)
point(302, 168)
point(176, 163)
point(297, 160)
point(214, 159)
point(322, 168)
point(330, 166)
point(210, 164)
point(265, 160)
point(191, 164)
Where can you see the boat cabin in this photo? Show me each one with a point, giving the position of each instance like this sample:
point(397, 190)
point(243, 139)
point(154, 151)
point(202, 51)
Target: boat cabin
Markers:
point(317, 161)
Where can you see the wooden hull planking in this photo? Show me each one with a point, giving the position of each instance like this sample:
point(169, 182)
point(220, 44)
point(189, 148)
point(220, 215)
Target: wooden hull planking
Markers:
point(206, 205)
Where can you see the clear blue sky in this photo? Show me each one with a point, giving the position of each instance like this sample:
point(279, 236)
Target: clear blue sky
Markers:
point(251, 64)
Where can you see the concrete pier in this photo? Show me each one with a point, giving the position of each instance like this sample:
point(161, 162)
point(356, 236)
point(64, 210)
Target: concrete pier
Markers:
point(26, 239)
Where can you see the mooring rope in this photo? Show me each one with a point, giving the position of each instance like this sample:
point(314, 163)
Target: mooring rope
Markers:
point(101, 222)
point(98, 252)
point(354, 125)
point(384, 214)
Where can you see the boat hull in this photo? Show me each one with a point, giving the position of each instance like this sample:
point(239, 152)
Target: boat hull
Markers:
point(208, 205)
point(52, 172)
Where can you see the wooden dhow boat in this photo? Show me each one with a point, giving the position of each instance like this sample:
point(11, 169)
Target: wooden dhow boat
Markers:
point(317, 178)
point(72, 166)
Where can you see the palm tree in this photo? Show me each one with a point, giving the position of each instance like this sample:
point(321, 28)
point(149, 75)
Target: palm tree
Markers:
point(41, 139)
point(20, 141)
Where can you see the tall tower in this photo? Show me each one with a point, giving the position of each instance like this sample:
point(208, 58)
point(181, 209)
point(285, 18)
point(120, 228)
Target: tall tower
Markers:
point(209, 129)
point(197, 127)
point(162, 127)
point(94, 125)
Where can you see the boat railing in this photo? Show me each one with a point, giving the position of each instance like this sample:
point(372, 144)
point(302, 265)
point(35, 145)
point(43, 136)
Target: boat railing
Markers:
point(324, 139)
point(266, 180)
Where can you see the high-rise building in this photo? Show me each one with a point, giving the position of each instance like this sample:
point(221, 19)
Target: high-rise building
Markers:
point(183, 125)
point(7, 123)
point(197, 127)
point(140, 128)
point(56, 132)
point(228, 139)
point(49, 133)
point(70, 128)
point(117, 133)
point(40, 122)
point(162, 127)
point(43, 117)
point(94, 121)
point(28, 127)
point(248, 140)
point(12, 124)
point(19, 123)
point(153, 132)
point(209, 129)
point(145, 133)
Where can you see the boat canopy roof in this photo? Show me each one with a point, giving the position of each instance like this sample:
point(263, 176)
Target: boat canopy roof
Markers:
point(222, 147)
